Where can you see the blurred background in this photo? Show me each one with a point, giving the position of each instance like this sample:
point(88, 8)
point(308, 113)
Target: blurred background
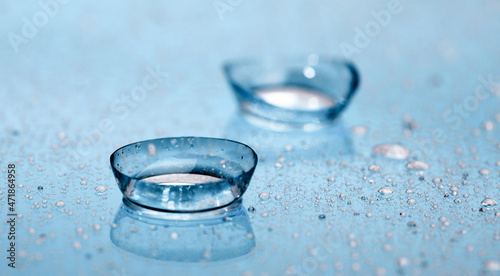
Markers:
point(72, 86)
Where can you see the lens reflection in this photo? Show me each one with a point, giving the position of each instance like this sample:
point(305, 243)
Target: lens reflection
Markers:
point(221, 234)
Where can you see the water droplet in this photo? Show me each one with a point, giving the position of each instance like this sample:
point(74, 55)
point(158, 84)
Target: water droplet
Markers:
point(403, 261)
point(77, 245)
point(359, 130)
point(457, 201)
point(251, 209)
point(322, 216)
point(151, 149)
point(386, 190)
point(484, 171)
point(62, 135)
point(488, 125)
point(489, 202)
point(278, 197)
point(60, 204)
point(412, 224)
point(437, 180)
point(492, 265)
point(374, 168)
point(101, 188)
point(417, 165)
point(264, 196)
point(40, 188)
point(411, 201)
point(174, 235)
point(393, 151)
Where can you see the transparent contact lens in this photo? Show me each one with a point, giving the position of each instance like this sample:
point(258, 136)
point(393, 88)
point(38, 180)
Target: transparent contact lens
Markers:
point(183, 174)
point(304, 93)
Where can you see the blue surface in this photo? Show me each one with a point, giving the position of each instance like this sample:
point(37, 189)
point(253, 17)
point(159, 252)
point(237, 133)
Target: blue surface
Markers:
point(74, 91)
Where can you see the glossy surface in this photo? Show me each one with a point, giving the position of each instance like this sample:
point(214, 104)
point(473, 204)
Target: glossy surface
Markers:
point(67, 103)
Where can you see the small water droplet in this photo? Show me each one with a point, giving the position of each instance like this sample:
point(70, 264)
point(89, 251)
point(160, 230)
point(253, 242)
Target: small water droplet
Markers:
point(60, 204)
point(412, 224)
point(492, 265)
point(77, 245)
point(101, 188)
point(40, 188)
point(488, 125)
point(393, 151)
point(322, 216)
point(489, 202)
point(411, 201)
point(375, 168)
point(251, 209)
point(403, 261)
point(151, 149)
point(386, 190)
point(417, 165)
point(484, 171)
point(359, 130)
point(264, 196)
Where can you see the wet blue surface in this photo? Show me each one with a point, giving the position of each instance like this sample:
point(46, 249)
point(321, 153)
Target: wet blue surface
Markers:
point(96, 76)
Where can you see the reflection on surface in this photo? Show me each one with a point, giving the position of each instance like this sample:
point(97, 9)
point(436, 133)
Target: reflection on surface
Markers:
point(221, 234)
point(332, 140)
